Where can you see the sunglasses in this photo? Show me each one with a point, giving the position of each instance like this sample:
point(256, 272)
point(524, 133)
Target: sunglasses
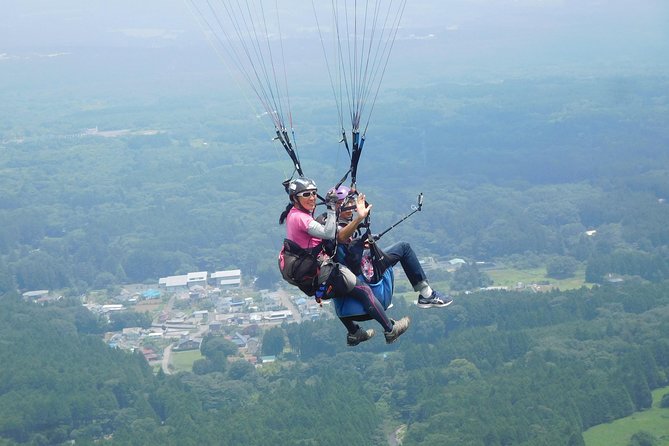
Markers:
point(307, 194)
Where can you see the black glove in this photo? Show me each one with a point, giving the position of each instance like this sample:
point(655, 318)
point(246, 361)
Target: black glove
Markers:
point(331, 199)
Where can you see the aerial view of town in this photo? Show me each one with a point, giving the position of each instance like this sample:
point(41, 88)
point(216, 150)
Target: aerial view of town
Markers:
point(167, 321)
point(186, 308)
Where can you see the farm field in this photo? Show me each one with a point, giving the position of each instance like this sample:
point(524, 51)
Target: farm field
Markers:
point(183, 361)
point(618, 433)
point(511, 277)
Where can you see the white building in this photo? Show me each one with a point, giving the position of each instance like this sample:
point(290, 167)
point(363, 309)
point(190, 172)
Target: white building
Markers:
point(185, 281)
point(35, 294)
point(198, 278)
point(200, 314)
point(112, 307)
point(278, 315)
point(227, 279)
point(174, 282)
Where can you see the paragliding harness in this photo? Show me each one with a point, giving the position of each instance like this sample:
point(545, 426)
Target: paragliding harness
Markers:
point(299, 266)
point(302, 268)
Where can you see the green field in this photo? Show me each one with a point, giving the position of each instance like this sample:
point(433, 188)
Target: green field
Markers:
point(183, 361)
point(510, 277)
point(507, 277)
point(618, 433)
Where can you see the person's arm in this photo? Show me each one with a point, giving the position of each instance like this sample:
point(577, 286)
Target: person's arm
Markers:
point(325, 231)
point(344, 234)
point(362, 211)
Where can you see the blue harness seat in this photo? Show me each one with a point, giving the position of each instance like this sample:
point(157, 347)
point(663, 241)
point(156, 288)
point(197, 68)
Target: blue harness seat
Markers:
point(348, 307)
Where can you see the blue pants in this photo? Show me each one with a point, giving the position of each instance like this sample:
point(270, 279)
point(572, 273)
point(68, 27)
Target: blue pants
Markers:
point(403, 253)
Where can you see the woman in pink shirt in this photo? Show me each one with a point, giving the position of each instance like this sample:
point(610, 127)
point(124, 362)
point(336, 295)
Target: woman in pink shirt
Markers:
point(304, 230)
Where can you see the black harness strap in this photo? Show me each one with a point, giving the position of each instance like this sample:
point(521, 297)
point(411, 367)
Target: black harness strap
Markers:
point(282, 135)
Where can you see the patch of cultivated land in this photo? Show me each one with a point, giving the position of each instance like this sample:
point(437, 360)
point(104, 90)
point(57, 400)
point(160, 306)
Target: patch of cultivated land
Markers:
point(619, 432)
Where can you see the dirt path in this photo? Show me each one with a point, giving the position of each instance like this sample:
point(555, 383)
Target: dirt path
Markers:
point(167, 357)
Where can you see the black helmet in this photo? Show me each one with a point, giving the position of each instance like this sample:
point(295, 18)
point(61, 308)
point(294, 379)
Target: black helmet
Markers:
point(300, 185)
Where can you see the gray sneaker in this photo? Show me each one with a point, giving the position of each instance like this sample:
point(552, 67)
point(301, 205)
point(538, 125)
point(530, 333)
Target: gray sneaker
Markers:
point(437, 300)
point(353, 339)
point(399, 327)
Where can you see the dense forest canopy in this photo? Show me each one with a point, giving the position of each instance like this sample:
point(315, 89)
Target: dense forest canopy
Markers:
point(525, 164)
point(497, 368)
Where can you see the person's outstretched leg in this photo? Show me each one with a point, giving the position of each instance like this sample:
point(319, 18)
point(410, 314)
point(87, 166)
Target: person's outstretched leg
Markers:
point(403, 253)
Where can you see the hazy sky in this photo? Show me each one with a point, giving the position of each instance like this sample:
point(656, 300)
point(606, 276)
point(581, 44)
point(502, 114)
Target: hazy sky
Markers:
point(446, 34)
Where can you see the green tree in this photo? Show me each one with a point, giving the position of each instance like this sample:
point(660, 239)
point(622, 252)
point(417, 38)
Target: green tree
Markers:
point(6, 278)
point(267, 273)
point(643, 438)
point(561, 267)
point(216, 349)
point(664, 402)
point(203, 366)
point(576, 439)
point(468, 277)
point(461, 370)
point(273, 341)
point(124, 319)
point(240, 369)
point(213, 345)
point(40, 270)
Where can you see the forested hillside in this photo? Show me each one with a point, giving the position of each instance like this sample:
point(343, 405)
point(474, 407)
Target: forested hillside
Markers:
point(58, 383)
point(100, 191)
point(496, 368)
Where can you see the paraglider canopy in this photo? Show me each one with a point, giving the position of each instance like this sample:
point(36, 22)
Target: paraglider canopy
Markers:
point(357, 38)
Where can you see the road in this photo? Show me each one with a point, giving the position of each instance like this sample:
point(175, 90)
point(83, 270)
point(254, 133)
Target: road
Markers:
point(166, 310)
point(167, 357)
point(284, 298)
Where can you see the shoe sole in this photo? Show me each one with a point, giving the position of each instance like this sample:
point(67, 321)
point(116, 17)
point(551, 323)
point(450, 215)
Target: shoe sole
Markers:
point(360, 342)
point(433, 305)
point(390, 342)
point(398, 336)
